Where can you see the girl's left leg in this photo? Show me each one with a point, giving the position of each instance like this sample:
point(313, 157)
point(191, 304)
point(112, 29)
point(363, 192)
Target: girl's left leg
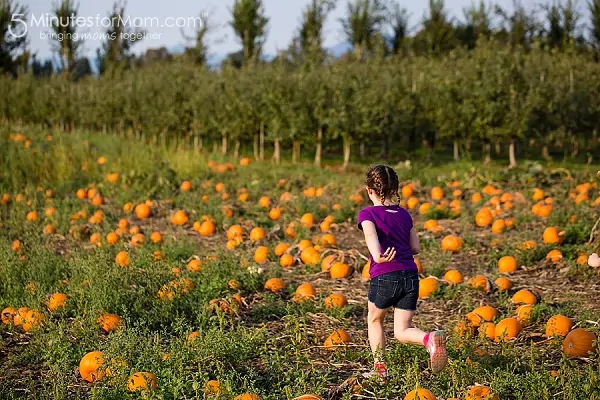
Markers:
point(376, 333)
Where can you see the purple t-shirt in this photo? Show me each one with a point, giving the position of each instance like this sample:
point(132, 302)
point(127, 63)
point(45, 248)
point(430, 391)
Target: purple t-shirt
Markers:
point(393, 224)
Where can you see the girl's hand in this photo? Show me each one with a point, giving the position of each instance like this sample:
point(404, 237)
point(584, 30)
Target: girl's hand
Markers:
point(386, 257)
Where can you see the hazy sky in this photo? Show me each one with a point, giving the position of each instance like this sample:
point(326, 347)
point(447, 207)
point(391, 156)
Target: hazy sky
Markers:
point(284, 17)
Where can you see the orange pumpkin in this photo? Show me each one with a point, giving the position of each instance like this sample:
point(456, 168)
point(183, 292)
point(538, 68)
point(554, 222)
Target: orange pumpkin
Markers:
point(275, 213)
point(507, 329)
point(56, 301)
point(179, 218)
point(437, 193)
point(143, 211)
point(464, 329)
point(335, 301)
point(235, 231)
point(122, 259)
point(487, 313)
point(186, 186)
point(89, 366)
point(194, 265)
point(247, 396)
point(261, 254)
point(109, 322)
point(503, 284)
point(286, 260)
point(338, 338)
point(309, 256)
point(137, 240)
point(427, 286)
point(554, 255)
point(420, 394)
point(305, 291)
point(524, 314)
point(558, 325)
point(340, 270)
point(207, 228)
point(525, 296)
point(553, 236)
point(142, 381)
point(484, 217)
point(307, 220)
point(480, 282)
point(275, 285)
point(257, 234)
point(156, 237)
point(452, 243)
point(281, 248)
point(480, 392)
point(579, 343)
point(453, 276)
point(487, 330)
point(507, 265)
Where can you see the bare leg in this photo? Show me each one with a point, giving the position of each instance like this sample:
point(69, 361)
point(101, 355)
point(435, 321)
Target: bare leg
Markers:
point(403, 327)
point(376, 333)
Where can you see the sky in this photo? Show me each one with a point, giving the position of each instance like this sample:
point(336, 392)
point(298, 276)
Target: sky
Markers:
point(163, 20)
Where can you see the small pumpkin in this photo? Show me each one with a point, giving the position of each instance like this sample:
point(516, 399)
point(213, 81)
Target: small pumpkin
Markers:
point(335, 300)
point(142, 381)
point(420, 394)
point(89, 366)
point(558, 325)
point(338, 338)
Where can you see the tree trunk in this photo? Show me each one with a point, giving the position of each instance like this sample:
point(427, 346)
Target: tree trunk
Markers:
point(497, 147)
point(456, 153)
point(262, 142)
point(296, 152)
point(346, 152)
point(545, 153)
point(277, 153)
point(319, 148)
point(196, 144)
point(487, 153)
point(468, 145)
point(224, 145)
point(236, 149)
point(385, 145)
point(255, 147)
point(361, 149)
point(575, 150)
point(511, 153)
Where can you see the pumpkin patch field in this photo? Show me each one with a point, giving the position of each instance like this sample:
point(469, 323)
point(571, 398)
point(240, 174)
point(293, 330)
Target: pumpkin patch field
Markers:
point(152, 271)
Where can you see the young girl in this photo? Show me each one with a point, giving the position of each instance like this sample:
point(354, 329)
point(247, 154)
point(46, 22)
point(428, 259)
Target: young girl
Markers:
point(394, 276)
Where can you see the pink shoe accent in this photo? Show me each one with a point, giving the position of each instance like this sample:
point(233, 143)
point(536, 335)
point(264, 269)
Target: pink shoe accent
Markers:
point(436, 346)
point(426, 339)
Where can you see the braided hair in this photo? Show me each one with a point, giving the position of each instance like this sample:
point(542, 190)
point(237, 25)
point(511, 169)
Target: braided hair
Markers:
point(383, 180)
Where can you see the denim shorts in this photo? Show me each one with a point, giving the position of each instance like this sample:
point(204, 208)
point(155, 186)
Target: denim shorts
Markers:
point(399, 289)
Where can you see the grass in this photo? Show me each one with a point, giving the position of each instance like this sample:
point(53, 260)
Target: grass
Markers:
point(269, 345)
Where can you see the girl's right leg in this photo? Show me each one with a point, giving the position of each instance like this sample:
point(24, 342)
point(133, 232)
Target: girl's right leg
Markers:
point(434, 342)
point(403, 327)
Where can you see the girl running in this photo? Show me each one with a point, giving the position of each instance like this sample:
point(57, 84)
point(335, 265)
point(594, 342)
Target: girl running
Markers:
point(394, 276)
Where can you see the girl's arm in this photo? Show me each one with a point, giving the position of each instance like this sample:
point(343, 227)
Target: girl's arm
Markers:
point(374, 246)
point(415, 244)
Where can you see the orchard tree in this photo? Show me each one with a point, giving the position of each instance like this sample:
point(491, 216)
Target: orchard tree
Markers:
point(362, 23)
point(66, 43)
point(250, 26)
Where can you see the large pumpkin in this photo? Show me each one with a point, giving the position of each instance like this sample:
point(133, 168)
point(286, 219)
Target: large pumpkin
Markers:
point(579, 343)
point(275, 285)
point(89, 366)
point(142, 211)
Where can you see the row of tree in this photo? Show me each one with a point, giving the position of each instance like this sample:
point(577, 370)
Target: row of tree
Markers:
point(370, 26)
point(484, 96)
